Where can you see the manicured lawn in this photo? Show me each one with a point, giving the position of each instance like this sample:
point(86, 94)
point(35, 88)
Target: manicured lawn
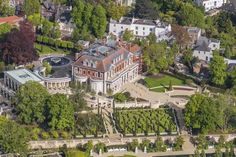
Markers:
point(162, 89)
point(76, 153)
point(162, 81)
point(49, 50)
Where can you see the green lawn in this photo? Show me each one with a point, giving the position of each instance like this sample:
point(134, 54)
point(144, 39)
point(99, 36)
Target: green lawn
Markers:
point(76, 153)
point(162, 89)
point(162, 81)
point(49, 50)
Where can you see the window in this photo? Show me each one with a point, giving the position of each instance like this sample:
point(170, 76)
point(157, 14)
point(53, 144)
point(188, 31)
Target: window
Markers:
point(206, 58)
point(121, 27)
point(136, 28)
point(136, 32)
point(143, 33)
point(89, 72)
point(143, 28)
point(150, 29)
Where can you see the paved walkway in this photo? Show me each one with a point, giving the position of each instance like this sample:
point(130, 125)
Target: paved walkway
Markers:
point(139, 91)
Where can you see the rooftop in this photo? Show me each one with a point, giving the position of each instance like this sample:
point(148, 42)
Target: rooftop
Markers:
point(23, 75)
point(10, 19)
point(129, 21)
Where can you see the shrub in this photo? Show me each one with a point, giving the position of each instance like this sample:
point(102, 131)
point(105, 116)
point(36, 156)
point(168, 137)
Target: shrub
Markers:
point(55, 134)
point(45, 135)
point(188, 82)
point(34, 136)
point(65, 135)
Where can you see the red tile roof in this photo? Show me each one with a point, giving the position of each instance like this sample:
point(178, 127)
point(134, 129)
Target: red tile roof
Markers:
point(10, 20)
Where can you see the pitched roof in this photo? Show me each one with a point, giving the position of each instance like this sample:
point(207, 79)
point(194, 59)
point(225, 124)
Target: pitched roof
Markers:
point(103, 62)
point(10, 20)
point(203, 47)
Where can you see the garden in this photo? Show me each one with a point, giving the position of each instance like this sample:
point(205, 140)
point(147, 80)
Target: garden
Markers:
point(89, 124)
point(45, 49)
point(161, 82)
point(145, 121)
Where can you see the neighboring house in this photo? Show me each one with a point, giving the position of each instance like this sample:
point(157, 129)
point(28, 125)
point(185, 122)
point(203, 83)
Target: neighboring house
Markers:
point(104, 67)
point(210, 4)
point(141, 28)
point(65, 22)
point(194, 34)
point(12, 20)
point(13, 79)
point(126, 2)
point(205, 47)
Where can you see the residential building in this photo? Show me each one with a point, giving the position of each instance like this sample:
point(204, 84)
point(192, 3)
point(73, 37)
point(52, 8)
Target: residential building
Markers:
point(205, 47)
point(104, 67)
point(141, 28)
point(13, 79)
point(194, 34)
point(125, 2)
point(210, 4)
point(12, 20)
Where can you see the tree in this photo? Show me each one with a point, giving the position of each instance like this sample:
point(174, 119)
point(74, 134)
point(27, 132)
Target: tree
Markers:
point(99, 21)
point(5, 8)
point(179, 141)
point(30, 103)
point(4, 29)
point(218, 70)
point(35, 19)
point(221, 141)
point(13, 137)
point(159, 145)
point(151, 38)
point(190, 15)
point(132, 145)
point(30, 7)
point(48, 67)
point(146, 9)
point(47, 28)
point(115, 11)
point(202, 113)
point(100, 146)
point(145, 143)
point(18, 47)
point(88, 146)
point(155, 57)
point(77, 98)
point(128, 35)
point(181, 36)
point(60, 112)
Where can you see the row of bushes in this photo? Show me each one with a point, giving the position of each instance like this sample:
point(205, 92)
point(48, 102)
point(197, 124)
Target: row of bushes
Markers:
point(57, 43)
point(38, 134)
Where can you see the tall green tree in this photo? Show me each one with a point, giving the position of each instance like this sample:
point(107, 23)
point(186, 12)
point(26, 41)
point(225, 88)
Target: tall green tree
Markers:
point(30, 103)
point(31, 7)
point(190, 15)
point(203, 114)
point(155, 57)
point(13, 137)
point(218, 70)
point(6, 9)
point(60, 112)
point(99, 21)
point(128, 35)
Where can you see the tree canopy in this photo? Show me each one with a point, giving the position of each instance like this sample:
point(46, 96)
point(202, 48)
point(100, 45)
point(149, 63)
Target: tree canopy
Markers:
point(18, 47)
point(60, 112)
point(203, 113)
point(218, 70)
point(13, 137)
point(30, 103)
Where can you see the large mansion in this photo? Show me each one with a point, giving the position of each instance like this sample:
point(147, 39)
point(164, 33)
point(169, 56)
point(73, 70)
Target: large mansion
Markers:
point(141, 28)
point(105, 67)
